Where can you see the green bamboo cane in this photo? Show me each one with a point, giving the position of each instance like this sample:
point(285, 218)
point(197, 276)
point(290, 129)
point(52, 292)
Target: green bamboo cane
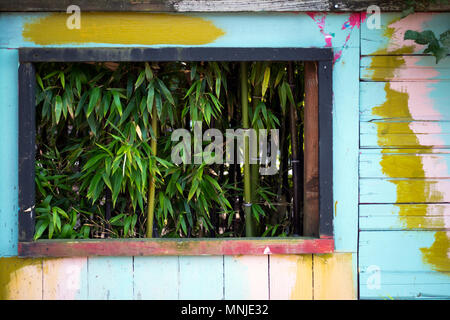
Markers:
point(249, 223)
point(151, 188)
point(254, 168)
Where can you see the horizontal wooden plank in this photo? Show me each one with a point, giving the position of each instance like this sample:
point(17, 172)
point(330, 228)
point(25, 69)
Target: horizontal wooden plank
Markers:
point(397, 265)
point(408, 165)
point(404, 101)
point(210, 5)
point(404, 68)
point(403, 251)
point(409, 285)
point(173, 54)
point(374, 217)
point(407, 134)
point(404, 191)
point(161, 247)
point(389, 37)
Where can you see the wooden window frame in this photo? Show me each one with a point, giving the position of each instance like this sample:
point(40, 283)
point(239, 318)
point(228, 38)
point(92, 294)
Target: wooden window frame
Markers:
point(318, 186)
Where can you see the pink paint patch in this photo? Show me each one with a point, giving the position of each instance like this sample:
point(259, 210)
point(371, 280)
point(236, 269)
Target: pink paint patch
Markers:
point(411, 22)
point(421, 107)
point(354, 20)
point(319, 19)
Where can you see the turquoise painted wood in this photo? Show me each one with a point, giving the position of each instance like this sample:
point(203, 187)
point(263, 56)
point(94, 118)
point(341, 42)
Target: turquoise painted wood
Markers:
point(399, 135)
point(369, 164)
point(377, 217)
point(246, 277)
point(414, 68)
point(201, 278)
point(403, 192)
point(373, 95)
point(360, 183)
point(156, 278)
point(396, 258)
point(110, 278)
point(284, 30)
point(9, 62)
point(374, 41)
point(385, 190)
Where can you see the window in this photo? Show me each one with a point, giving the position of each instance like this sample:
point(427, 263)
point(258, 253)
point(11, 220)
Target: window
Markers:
point(317, 150)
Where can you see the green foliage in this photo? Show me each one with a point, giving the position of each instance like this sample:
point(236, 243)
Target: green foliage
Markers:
point(94, 156)
point(439, 48)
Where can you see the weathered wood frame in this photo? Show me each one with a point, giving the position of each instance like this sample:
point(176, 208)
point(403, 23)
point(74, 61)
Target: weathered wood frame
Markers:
point(322, 59)
point(208, 6)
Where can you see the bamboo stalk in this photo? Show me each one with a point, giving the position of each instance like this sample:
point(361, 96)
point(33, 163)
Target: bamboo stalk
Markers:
point(254, 168)
point(295, 155)
point(249, 224)
point(151, 188)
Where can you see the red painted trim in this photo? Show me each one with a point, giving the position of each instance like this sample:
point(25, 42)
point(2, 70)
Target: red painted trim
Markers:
point(173, 247)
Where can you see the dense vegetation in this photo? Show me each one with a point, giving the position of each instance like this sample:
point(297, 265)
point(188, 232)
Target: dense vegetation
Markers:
point(103, 149)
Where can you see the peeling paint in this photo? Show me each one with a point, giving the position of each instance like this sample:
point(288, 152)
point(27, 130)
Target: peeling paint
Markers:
point(319, 19)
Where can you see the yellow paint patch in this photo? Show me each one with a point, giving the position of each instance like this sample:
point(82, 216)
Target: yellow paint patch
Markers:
point(333, 277)
point(130, 28)
point(291, 277)
point(20, 279)
point(437, 254)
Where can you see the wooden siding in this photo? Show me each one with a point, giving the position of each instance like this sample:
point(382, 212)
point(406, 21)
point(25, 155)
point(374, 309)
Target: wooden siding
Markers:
point(198, 278)
point(304, 276)
point(404, 167)
point(394, 171)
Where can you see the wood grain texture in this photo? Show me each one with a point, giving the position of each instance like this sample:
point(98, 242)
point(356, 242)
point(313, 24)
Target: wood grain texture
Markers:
point(9, 82)
point(65, 279)
point(210, 5)
point(369, 165)
point(201, 278)
point(412, 68)
point(333, 277)
point(311, 151)
point(388, 38)
point(405, 134)
point(404, 190)
point(246, 278)
point(169, 247)
point(155, 278)
point(393, 265)
point(377, 217)
point(20, 279)
point(110, 278)
point(291, 277)
point(373, 94)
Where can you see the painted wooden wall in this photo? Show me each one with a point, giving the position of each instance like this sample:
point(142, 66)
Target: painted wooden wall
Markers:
point(365, 192)
point(404, 163)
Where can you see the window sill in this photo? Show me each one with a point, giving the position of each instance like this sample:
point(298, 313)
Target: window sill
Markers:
point(175, 247)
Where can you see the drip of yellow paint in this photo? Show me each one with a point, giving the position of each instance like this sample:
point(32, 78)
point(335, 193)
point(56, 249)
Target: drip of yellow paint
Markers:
point(396, 105)
point(9, 280)
point(130, 28)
